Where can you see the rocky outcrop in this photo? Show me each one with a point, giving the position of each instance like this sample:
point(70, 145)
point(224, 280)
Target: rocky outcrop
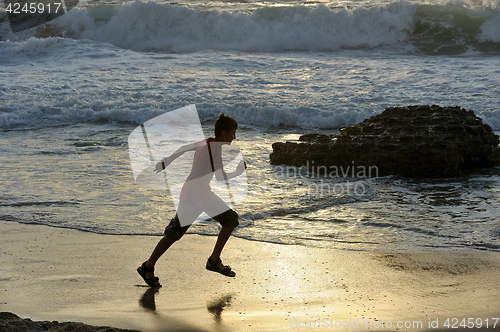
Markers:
point(413, 141)
point(10, 322)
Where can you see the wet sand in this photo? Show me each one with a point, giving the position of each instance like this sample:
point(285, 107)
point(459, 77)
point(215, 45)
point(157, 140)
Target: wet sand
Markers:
point(54, 274)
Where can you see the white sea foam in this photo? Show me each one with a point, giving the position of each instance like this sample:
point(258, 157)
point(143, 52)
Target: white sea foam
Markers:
point(438, 27)
point(491, 28)
point(13, 115)
point(146, 26)
point(445, 27)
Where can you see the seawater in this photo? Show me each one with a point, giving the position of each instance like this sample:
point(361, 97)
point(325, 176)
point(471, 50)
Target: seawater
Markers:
point(71, 92)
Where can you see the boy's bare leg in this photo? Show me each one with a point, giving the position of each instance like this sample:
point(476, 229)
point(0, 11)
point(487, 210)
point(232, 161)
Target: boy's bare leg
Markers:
point(224, 235)
point(159, 250)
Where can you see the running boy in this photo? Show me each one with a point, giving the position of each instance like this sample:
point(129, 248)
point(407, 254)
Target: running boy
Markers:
point(197, 197)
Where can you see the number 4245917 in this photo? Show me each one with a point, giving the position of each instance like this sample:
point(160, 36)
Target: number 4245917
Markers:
point(455, 323)
point(32, 8)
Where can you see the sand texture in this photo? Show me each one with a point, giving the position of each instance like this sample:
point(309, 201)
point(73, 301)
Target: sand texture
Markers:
point(49, 274)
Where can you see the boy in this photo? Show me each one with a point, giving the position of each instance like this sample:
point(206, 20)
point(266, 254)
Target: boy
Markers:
point(197, 197)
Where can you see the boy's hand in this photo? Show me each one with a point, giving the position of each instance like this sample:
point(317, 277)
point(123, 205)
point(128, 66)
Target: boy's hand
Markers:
point(161, 165)
point(242, 166)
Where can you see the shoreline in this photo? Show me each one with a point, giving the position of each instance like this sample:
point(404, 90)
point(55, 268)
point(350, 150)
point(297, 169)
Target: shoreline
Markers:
point(68, 275)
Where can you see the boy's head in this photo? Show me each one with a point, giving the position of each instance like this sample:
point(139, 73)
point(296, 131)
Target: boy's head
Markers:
point(224, 123)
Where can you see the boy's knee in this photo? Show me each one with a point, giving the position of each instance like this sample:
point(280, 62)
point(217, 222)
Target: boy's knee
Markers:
point(172, 235)
point(231, 219)
point(235, 218)
point(232, 226)
point(174, 231)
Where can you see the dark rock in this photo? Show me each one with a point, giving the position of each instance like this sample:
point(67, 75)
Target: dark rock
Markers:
point(12, 323)
point(413, 141)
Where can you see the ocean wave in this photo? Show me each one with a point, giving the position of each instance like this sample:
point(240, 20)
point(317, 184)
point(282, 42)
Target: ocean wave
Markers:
point(456, 27)
point(262, 117)
point(44, 117)
point(491, 118)
point(449, 28)
point(14, 116)
point(150, 26)
point(490, 30)
point(272, 116)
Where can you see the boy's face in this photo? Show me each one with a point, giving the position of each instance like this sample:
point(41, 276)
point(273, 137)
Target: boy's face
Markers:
point(228, 136)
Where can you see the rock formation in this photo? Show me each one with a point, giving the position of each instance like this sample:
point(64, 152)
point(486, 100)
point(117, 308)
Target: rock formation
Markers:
point(413, 141)
point(10, 322)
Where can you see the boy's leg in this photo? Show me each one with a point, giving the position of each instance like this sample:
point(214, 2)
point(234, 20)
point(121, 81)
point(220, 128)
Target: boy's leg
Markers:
point(224, 235)
point(159, 250)
point(228, 220)
point(173, 232)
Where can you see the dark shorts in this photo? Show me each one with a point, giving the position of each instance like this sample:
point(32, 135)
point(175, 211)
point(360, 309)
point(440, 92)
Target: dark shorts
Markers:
point(175, 231)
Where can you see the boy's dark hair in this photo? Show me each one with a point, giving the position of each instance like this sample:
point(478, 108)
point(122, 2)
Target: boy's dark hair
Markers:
point(226, 123)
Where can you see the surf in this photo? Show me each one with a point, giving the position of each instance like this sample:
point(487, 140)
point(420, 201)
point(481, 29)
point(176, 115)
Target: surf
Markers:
point(146, 26)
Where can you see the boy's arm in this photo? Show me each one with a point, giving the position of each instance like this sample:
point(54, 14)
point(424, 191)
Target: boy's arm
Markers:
point(218, 167)
point(161, 165)
point(221, 175)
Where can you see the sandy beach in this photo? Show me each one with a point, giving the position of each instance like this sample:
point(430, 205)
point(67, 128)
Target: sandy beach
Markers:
point(68, 275)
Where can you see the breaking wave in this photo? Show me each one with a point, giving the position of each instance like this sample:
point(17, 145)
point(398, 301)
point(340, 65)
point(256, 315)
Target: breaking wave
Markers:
point(451, 28)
